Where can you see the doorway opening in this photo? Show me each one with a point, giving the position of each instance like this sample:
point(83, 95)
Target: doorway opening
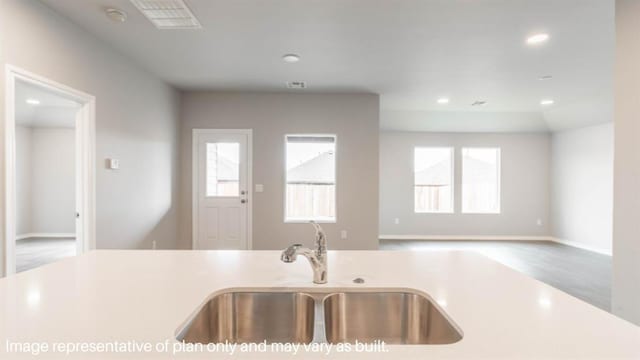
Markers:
point(49, 162)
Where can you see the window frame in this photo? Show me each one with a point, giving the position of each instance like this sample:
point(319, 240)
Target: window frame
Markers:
point(498, 211)
point(452, 154)
point(335, 181)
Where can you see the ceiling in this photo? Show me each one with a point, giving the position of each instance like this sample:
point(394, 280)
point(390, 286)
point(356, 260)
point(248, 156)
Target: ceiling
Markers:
point(52, 111)
point(411, 52)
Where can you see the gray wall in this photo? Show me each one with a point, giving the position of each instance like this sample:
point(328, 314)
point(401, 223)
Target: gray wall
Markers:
point(137, 119)
point(626, 210)
point(582, 191)
point(353, 117)
point(524, 195)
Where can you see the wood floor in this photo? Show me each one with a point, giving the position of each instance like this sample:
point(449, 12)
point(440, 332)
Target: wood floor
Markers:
point(34, 252)
point(583, 274)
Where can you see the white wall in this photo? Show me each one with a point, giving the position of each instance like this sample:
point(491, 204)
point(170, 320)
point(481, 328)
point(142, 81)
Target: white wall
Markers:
point(137, 121)
point(45, 167)
point(23, 180)
point(524, 195)
point(53, 181)
point(626, 210)
point(582, 187)
point(352, 117)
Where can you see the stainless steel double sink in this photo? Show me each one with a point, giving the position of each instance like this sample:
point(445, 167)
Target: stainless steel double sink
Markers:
point(344, 316)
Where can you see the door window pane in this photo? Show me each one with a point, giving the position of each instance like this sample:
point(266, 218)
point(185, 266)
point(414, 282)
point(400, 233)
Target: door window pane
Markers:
point(433, 180)
point(311, 178)
point(223, 169)
point(481, 180)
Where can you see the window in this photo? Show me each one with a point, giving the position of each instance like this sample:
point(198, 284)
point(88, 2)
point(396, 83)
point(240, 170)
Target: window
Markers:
point(433, 180)
point(481, 180)
point(310, 178)
point(223, 169)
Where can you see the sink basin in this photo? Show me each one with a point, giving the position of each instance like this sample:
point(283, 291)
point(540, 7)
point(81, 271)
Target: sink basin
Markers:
point(253, 317)
point(288, 316)
point(393, 317)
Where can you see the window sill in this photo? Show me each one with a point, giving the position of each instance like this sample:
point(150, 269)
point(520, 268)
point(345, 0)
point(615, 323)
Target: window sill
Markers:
point(434, 212)
point(306, 221)
point(481, 213)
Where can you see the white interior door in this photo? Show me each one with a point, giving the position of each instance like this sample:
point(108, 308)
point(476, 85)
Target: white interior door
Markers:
point(221, 174)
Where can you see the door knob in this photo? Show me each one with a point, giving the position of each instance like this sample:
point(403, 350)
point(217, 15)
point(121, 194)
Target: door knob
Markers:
point(243, 201)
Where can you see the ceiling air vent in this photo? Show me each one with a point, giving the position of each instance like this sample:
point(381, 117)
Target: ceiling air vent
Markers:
point(168, 14)
point(296, 85)
point(479, 103)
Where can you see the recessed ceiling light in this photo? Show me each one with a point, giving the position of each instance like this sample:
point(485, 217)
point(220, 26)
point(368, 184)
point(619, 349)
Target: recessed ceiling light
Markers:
point(443, 101)
point(545, 77)
point(33, 101)
point(537, 39)
point(116, 15)
point(291, 58)
point(547, 102)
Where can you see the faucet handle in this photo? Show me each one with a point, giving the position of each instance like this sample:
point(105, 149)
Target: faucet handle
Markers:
point(316, 226)
point(321, 240)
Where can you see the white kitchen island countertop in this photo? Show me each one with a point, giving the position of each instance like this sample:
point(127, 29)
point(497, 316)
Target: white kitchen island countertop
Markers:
point(145, 296)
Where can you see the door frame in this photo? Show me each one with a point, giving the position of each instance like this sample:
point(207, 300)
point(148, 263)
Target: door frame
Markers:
point(84, 163)
point(194, 180)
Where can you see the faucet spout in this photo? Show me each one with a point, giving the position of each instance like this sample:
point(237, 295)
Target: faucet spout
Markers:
point(317, 257)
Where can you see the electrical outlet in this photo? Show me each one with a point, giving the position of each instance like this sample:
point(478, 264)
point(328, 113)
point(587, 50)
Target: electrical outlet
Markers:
point(153, 245)
point(539, 222)
point(343, 234)
point(396, 221)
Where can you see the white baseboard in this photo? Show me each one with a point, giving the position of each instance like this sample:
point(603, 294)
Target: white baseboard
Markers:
point(45, 235)
point(582, 246)
point(495, 238)
point(467, 237)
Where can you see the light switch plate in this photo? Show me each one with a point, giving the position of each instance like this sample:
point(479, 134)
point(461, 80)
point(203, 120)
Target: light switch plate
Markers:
point(113, 164)
point(259, 188)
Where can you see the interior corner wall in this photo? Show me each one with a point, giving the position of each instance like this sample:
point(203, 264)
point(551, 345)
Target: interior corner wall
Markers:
point(136, 122)
point(626, 209)
point(582, 187)
point(354, 118)
point(524, 186)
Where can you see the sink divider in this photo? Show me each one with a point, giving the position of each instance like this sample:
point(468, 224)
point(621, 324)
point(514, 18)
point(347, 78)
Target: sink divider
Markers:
point(319, 333)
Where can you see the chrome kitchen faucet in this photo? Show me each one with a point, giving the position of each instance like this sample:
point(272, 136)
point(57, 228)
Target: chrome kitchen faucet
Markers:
point(317, 257)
